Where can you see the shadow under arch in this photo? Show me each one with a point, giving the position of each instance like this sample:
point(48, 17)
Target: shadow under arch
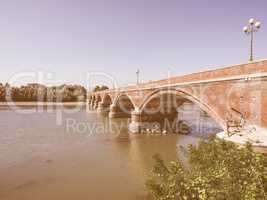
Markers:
point(123, 95)
point(105, 104)
point(107, 100)
point(122, 106)
point(98, 99)
point(187, 96)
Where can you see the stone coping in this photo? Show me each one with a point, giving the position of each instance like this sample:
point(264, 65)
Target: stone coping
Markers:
point(240, 71)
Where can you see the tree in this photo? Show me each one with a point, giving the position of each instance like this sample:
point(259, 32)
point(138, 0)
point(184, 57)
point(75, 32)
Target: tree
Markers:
point(100, 88)
point(219, 170)
point(37, 92)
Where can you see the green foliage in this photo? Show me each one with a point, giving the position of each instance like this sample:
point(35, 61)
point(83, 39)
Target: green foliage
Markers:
point(219, 170)
point(41, 93)
point(100, 88)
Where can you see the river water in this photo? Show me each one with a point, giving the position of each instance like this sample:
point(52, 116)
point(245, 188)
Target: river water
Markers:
point(53, 154)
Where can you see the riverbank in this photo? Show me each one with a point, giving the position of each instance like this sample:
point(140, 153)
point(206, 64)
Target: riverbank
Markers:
point(255, 135)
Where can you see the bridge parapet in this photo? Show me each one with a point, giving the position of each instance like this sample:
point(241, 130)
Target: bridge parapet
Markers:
point(240, 71)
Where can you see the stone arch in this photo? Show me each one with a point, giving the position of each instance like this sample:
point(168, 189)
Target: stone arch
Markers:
point(105, 104)
point(107, 100)
point(123, 95)
point(122, 106)
point(186, 97)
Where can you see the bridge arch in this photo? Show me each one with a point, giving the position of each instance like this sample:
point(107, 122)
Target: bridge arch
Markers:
point(124, 96)
point(122, 106)
point(103, 103)
point(107, 100)
point(177, 98)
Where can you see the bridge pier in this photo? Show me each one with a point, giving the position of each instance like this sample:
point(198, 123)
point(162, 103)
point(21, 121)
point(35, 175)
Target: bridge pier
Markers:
point(90, 104)
point(136, 122)
point(95, 105)
point(141, 121)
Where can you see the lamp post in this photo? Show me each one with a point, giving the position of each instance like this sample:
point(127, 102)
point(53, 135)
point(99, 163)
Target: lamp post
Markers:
point(137, 76)
point(253, 27)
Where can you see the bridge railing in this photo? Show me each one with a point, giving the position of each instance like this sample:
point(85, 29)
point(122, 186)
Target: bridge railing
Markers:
point(215, 75)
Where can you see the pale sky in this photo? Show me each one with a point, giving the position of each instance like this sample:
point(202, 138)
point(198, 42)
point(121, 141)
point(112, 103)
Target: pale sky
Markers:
point(69, 38)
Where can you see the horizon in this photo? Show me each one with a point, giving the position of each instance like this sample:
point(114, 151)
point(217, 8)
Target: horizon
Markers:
point(75, 84)
point(117, 38)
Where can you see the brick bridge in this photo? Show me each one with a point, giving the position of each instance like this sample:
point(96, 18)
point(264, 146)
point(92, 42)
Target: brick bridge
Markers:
point(238, 91)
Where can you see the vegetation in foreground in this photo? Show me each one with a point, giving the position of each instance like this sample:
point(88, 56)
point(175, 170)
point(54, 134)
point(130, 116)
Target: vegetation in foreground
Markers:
point(219, 170)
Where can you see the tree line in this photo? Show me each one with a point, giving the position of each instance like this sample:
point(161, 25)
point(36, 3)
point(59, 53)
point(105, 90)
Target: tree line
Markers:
point(41, 93)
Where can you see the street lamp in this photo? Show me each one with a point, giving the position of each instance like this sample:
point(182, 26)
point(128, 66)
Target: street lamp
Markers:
point(252, 27)
point(137, 76)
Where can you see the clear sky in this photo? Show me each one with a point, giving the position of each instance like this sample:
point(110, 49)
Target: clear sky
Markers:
point(69, 38)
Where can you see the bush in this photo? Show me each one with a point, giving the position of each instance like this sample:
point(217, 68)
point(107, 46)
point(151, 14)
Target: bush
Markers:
point(100, 88)
point(219, 170)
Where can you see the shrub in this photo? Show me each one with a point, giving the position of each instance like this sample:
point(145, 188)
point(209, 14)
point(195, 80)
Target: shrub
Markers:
point(219, 170)
point(100, 88)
